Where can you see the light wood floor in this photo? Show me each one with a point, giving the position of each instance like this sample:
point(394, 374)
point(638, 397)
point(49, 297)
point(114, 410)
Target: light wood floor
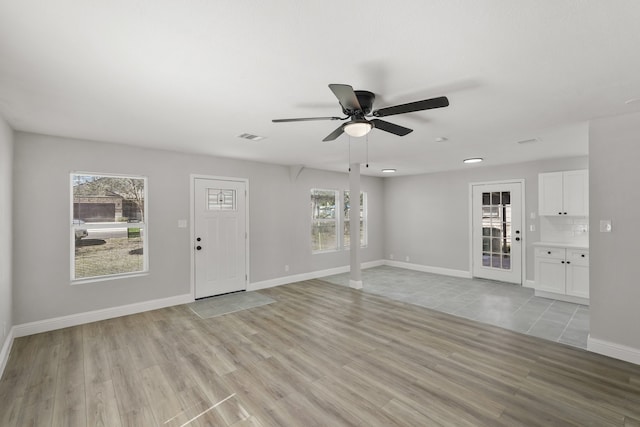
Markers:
point(321, 355)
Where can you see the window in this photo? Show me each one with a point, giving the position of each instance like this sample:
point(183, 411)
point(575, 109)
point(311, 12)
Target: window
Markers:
point(108, 226)
point(221, 200)
point(324, 222)
point(363, 220)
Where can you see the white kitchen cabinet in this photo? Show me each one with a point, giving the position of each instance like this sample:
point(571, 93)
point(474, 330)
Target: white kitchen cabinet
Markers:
point(577, 273)
point(562, 273)
point(564, 193)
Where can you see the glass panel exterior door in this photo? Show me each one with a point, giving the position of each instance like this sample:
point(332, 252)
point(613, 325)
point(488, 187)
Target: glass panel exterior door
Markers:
point(497, 236)
point(496, 230)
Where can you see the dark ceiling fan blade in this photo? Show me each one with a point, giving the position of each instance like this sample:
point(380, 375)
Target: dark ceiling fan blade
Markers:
point(307, 119)
point(426, 104)
point(346, 96)
point(335, 134)
point(390, 127)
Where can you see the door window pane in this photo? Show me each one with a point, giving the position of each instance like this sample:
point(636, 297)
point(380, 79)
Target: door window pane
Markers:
point(219, 199)
point(486, 258)
point(496, 229)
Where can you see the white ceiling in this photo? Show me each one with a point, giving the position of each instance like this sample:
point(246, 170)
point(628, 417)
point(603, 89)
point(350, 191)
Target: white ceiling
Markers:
point(192, 75)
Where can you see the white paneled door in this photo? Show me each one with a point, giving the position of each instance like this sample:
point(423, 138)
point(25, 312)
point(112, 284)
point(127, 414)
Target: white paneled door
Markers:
point(220, 236)
point(497, 231)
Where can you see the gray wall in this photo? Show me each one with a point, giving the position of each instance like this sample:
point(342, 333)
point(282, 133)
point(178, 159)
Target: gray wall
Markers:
point(614, 147)
point(427, 216)
point(279, 222)
point(6, 283)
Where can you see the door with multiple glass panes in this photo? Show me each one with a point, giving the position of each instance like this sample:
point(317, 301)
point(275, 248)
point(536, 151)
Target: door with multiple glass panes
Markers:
point(497, 232)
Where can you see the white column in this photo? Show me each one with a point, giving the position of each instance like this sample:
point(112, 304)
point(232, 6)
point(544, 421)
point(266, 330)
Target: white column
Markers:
point(354, 225)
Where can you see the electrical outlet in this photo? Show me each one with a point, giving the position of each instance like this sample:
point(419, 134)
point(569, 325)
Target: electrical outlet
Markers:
point(407, 258)
point(4, 329)
point(390, 256)
point(286, 268)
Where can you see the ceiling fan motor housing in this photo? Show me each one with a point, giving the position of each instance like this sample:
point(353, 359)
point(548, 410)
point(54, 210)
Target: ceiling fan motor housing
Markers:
point(365, 98)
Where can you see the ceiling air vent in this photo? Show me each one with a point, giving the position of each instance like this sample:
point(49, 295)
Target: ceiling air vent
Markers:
point(251, 137)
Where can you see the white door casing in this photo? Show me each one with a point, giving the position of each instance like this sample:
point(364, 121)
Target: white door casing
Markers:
point(220, 236)
point(497, 242)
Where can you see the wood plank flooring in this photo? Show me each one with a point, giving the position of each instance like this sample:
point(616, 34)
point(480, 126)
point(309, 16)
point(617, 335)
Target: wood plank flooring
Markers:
point(322, 355)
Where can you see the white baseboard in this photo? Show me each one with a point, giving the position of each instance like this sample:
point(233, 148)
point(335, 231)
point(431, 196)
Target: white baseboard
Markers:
point(345, 268)
point(4, 352)
point(561, 297)
point(94, 316)
point(617, 351)
point(355, 284)
point(529, 284)
point(308, 276)
point(429, 269)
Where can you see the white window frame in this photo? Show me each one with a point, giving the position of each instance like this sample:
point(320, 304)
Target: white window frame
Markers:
point(142, 225)
point(336, 220)
point(365, 226)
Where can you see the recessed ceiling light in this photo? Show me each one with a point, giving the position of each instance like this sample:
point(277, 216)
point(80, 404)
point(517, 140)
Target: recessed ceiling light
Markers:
point(441, 139)
point(473, 160)
point(251, 137)
point(388, 171)
point(632, 101)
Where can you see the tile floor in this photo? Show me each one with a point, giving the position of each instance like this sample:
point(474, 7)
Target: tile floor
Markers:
point(223, 304)
point(509, 306)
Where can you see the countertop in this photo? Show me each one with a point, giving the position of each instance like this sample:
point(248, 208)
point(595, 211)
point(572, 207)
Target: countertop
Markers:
point(563, 245)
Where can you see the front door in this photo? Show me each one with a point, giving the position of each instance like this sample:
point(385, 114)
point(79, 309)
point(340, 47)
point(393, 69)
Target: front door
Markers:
point(497, 231)
point(220, 236)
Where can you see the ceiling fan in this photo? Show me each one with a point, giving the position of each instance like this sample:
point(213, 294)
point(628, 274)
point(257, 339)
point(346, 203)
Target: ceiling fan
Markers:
point(357, 105)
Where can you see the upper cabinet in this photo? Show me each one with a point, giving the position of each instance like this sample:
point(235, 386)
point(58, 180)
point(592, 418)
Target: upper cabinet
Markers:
point(563, 193)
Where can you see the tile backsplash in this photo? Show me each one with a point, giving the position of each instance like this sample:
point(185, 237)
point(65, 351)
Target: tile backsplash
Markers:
point(574, 230)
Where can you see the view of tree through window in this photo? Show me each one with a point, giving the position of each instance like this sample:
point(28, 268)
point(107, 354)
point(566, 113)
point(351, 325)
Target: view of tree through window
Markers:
point(346, 225)
point(326, 220)
point(324, 223)
point(108, 225)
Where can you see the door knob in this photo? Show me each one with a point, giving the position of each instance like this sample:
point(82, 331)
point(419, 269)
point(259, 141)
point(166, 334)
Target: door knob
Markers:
point(198, 247)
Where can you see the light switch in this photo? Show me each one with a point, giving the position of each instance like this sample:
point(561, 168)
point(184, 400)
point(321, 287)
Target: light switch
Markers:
point(182, 223)
point(605, 226)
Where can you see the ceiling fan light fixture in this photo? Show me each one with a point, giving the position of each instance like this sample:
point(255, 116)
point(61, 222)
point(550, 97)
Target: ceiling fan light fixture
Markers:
point(358, 128)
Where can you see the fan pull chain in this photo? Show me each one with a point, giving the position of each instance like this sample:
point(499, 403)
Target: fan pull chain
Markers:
point(349, 153)
point(367, 151)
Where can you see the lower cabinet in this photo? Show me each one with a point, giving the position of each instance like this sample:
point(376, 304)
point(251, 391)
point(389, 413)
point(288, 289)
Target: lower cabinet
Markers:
point(562, 271)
